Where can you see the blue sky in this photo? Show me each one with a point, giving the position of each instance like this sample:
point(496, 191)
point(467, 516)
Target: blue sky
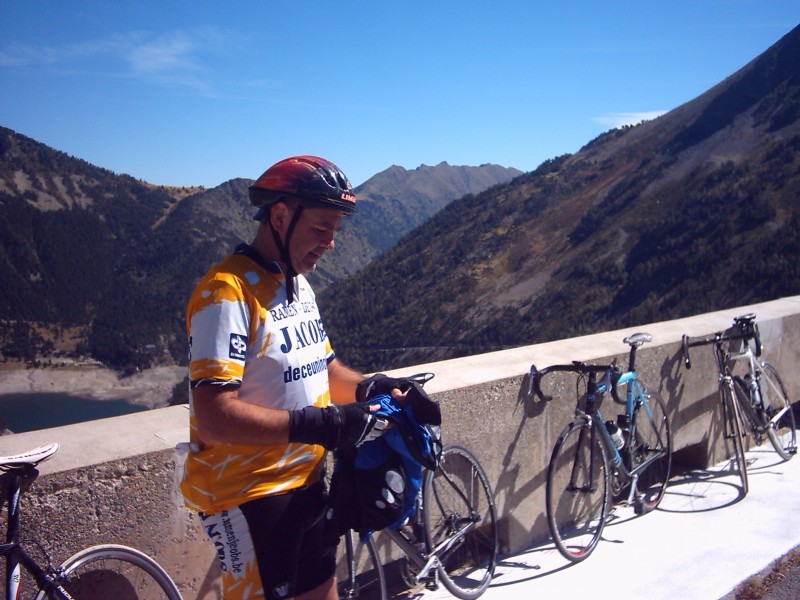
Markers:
point(197, 93)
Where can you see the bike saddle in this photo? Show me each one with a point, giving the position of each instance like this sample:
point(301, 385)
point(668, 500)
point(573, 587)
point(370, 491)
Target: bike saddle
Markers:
point(637, 339)
point(31, 457)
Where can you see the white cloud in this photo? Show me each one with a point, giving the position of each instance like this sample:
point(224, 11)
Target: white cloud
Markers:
point(23, 55)
point(627, 118)
point(171, 59)
point(165, 54)
point(174, 58)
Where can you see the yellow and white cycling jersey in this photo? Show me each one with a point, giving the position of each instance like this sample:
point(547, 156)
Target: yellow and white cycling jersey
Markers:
point(242, 331)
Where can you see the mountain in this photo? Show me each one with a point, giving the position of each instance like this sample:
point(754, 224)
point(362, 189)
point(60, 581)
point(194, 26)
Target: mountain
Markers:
point(694, 211)
point(395, 201)
point(102, 264)
point(72, 239)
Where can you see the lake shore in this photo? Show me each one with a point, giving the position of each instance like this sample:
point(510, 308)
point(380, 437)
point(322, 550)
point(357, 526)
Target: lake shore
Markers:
point(151, 388)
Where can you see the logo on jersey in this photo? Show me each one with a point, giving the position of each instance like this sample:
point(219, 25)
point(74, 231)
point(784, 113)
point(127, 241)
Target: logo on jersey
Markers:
point(238, 348)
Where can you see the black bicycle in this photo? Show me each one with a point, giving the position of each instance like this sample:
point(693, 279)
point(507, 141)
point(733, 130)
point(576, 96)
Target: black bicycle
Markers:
point(581, 478)
point(452, 537)
point(99, 572)
point(755, 402)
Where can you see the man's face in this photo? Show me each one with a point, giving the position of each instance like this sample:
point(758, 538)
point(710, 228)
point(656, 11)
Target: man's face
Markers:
point(313, 237)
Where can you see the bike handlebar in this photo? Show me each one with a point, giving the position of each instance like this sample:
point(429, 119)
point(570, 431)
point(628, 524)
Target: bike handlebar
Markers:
point(420, 378)
point(749, 331)
point(613, 371)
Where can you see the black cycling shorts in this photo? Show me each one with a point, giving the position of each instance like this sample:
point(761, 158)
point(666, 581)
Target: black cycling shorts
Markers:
point(282, 535)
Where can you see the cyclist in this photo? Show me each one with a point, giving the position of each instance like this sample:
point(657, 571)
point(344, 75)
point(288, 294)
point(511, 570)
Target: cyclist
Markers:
point(268, 394)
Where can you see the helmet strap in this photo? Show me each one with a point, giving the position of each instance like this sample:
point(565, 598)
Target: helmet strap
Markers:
point(283, 248)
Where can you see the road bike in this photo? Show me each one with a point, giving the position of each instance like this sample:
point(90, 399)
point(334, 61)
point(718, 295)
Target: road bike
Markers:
point(452, 537)
point(594, 460)
point(755, 403)
point(99, 572)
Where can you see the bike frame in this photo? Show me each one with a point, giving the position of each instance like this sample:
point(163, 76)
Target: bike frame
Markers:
point(756, 370)
point(423, 561)
point(634, 396)
point(427, 561)
point(15, 556)
point(761, 377)
point(726, 376)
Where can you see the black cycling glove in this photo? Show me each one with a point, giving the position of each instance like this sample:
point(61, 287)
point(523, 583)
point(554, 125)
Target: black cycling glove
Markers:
point(335, 426)
point(377, 384)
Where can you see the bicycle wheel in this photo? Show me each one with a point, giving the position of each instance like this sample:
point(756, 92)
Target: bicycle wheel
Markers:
point(577, 494)
point(733, 430)
point(114, 571)
point(461, 522)
point(359, 573)
point(650, 451)
point(779, 417)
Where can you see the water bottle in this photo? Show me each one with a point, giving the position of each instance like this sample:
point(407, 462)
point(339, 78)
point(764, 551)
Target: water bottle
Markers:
point(755, 393)
point(624, 424)
point(616, 434)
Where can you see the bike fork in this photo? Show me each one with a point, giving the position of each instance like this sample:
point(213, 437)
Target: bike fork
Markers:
point(730, 411)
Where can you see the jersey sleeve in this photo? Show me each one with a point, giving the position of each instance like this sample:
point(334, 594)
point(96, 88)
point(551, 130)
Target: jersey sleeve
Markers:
point(218, 319)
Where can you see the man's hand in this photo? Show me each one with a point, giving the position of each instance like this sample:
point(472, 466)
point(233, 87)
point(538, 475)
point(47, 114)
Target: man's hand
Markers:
point(336, 426)
point(376, 384)
point(360, 425)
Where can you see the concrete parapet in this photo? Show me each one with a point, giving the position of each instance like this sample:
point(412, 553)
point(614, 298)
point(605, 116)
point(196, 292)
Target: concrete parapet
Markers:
point(113, 479)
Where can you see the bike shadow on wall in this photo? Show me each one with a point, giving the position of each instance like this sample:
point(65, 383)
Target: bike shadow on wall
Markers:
point(516, 482)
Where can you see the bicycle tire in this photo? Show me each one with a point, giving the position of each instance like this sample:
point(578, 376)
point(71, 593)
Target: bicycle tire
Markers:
point(114, 571)
point(577, 493)
point(651, 441)
point(733, 429)
point(783, 433)
point(457, 495)
point(359, 572)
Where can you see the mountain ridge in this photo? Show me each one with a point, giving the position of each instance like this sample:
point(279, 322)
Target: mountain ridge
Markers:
point(393, 202)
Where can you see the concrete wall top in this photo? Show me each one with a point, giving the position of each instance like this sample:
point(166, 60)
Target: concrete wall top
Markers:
point(494, 366)
point(104, 440)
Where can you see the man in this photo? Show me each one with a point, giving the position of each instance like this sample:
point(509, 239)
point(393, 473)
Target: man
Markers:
point(268, 395)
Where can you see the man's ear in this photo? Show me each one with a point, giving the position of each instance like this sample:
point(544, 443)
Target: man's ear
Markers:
point(280, 215)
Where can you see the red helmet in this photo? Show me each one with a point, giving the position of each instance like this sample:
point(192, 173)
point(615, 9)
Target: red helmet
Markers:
point(314, 181)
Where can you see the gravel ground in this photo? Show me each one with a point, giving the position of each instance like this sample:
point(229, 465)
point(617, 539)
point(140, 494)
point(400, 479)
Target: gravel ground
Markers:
point(779, 581)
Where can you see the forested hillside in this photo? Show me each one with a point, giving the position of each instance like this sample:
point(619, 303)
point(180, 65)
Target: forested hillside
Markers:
point(692, 212)
point(99, 265)
point(395, 201)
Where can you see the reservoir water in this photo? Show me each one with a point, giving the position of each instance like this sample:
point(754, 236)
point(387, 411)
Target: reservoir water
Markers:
point(31, 411)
